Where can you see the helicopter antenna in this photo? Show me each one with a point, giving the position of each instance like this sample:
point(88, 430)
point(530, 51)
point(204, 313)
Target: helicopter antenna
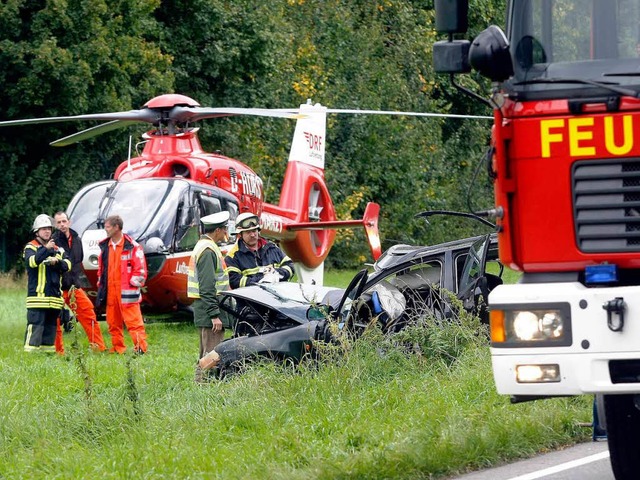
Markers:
point(129, 155)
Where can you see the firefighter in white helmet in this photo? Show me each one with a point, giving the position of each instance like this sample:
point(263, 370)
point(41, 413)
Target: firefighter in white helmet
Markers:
point(253, 259)
point(45, 263)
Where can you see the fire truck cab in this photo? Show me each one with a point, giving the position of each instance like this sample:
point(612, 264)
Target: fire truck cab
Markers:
point(566, 158)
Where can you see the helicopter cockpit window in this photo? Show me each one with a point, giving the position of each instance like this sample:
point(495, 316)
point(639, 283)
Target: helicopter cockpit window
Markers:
point(213, 204)
point(187, 232)
point(194, 207)
point(148, 208)
point(210, 205)
point(85, 207)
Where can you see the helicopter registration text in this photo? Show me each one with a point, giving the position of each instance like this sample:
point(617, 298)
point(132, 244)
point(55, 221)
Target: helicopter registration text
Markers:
point(271, 223)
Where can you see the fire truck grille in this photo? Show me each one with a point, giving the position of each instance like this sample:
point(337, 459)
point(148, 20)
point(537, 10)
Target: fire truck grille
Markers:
point(624, 371)
point(606, 205)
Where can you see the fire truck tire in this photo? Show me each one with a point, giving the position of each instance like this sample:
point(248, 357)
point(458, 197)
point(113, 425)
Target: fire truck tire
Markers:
point(623, 433)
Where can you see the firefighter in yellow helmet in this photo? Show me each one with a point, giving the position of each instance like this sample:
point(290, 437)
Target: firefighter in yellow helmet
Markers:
point(253, 259)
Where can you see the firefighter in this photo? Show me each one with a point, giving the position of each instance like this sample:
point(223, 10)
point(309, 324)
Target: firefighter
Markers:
point(206, 278)
point(67, 238)
point(122, 272)
point(45, 264)
point(253, 259)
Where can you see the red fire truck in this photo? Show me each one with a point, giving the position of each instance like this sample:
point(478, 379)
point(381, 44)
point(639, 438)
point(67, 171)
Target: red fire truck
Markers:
point(566, 158)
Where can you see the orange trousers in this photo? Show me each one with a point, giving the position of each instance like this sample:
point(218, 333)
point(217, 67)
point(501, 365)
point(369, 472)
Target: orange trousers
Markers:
point(131, 316)
point(83, 308)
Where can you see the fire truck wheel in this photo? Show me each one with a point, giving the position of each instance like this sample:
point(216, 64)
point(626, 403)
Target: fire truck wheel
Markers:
point(623, 433)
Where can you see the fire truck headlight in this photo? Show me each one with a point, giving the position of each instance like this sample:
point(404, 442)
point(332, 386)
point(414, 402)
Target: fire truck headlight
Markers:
point(537, 373)
point(539, 326)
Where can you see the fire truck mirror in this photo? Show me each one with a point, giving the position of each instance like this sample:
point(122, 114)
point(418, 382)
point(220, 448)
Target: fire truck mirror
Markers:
point(451, 16)
point(489, 54)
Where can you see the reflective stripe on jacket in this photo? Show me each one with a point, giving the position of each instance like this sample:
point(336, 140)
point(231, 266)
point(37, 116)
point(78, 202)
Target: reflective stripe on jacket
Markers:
point(43, 279)
point(193, 283)
point(244, 266)
point(133, 269)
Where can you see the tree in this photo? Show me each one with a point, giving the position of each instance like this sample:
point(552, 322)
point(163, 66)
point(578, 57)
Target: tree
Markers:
point(64, 58)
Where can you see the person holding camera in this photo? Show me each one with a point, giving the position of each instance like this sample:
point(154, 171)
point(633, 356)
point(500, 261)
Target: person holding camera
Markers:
point(45, 264)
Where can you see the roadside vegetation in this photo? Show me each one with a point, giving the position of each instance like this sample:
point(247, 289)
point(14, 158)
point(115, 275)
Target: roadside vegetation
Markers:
point(418, 405)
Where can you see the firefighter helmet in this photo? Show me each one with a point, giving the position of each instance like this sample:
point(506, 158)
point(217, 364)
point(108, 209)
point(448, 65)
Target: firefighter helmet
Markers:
point(42, 221)
point(246, 222)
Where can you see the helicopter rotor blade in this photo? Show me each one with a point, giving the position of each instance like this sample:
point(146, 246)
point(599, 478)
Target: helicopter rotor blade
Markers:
point(91, 132)
point(193, 114)
point(398, 113)
point(408, 114)
point(144, 115)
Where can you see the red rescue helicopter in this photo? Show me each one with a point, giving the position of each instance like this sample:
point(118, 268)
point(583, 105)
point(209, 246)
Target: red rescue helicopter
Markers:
point(162, 193)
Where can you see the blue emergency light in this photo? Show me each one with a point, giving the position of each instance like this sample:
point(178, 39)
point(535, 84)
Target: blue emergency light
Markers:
point(601, 274)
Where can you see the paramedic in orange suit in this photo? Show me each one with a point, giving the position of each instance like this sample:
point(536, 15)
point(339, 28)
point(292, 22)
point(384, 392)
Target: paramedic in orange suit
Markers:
point(122, 271)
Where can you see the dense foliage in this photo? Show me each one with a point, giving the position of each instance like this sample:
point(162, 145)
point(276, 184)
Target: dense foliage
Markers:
point(66, 57)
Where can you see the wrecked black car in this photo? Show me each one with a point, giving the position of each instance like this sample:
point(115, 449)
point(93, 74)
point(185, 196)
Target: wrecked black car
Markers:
point(278, 321)
point(281, 321)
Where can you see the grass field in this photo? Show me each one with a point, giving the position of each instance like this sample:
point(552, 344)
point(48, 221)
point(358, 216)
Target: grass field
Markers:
point(372, 410)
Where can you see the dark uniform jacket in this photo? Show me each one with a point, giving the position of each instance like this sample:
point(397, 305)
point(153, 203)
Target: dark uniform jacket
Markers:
point(43, 279)
point(76, 275)
point(207, 306)
point(244, 265)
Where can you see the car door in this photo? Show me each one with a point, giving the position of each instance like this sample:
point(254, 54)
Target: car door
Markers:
point(345, 314)
point(473, 290)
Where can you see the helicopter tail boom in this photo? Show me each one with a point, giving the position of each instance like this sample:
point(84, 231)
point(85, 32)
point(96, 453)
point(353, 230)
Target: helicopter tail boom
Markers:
point(305, 219)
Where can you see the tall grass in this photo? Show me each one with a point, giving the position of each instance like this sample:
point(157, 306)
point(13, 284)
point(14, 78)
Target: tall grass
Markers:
point(408, 407)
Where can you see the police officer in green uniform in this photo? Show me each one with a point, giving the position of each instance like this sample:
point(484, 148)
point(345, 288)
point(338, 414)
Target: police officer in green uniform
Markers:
point(206, 279)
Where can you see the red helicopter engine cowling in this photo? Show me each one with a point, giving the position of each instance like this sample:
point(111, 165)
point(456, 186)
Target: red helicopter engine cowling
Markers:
point(182, 156)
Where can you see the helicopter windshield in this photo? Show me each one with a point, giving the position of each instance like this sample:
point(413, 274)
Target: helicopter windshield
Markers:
point(148, 207)
point(555, 44)
point(85, 205)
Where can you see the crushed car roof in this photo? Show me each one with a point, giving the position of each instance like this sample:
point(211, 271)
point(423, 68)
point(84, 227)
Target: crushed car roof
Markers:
point(402, 253)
